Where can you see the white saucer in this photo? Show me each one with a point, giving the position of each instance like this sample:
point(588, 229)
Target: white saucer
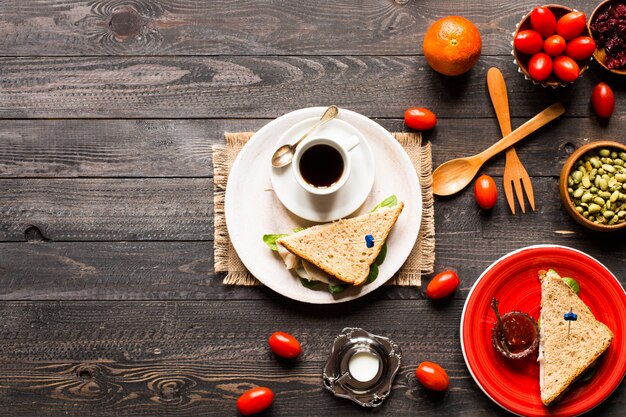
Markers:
point(325, 208)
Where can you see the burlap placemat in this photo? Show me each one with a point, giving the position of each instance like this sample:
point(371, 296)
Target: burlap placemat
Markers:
point(421, 260)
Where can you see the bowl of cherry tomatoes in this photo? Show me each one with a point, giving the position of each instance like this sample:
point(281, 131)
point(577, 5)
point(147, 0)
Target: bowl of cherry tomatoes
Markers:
point(552, 45)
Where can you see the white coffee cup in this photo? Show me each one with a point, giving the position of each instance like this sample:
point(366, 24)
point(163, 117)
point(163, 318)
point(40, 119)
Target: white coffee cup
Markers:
point(322, 165)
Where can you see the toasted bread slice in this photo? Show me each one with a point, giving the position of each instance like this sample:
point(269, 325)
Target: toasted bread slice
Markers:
point(564, 357)
point(339, 248)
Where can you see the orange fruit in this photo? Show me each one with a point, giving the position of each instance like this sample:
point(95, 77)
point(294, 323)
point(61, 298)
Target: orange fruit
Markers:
point(452, 45)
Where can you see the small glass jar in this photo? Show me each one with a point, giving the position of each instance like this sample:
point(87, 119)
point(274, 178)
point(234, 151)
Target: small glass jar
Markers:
point(520, 338)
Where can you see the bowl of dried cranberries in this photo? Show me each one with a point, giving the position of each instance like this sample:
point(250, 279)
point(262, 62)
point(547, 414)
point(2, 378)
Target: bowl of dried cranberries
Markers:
point(552, 45)
point(607, 25)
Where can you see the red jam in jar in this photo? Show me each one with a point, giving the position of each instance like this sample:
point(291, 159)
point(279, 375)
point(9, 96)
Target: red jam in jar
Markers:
point(520, 338)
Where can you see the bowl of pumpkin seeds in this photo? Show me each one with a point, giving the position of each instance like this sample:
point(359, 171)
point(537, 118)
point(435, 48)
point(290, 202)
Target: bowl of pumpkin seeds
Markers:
point(593, 186)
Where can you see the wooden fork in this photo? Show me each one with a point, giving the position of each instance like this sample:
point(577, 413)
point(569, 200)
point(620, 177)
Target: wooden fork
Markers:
point(515, 174)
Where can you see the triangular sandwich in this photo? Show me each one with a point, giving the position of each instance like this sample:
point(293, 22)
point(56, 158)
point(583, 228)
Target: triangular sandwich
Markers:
point(340, 248)
point(565, 354)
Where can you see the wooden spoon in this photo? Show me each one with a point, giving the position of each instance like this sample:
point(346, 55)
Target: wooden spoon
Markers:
point(452, 176)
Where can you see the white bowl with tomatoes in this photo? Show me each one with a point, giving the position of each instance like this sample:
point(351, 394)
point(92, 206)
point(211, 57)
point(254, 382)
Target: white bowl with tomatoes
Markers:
point(552, 45)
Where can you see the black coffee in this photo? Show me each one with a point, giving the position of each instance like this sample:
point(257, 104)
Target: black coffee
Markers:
point(321, 166)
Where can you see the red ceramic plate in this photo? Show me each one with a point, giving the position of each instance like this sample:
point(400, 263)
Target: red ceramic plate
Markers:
point(514, 280)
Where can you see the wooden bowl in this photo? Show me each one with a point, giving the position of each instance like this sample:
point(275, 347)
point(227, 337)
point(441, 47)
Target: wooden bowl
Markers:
point(600, 55)
point(565, 197)
point(522, 59)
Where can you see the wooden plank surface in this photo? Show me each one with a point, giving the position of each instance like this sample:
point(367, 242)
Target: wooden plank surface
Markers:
point(109, 301)
point(180, 209)
point(250, 27)
point(107, 209)
point(183, 358)
point(467, 240)
point(182, 148)
point(260, 87)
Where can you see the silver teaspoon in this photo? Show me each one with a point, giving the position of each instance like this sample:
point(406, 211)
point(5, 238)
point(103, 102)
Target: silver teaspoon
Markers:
point(283, 155)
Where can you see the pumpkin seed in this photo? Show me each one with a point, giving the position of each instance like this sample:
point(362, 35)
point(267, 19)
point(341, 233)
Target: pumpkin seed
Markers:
point(594, 208)
point(608, 168)
point(605, 195)
point(595, 162)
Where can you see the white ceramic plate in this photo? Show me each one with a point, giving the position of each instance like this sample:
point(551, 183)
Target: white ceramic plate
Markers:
point(325, 208)
point(252, 209)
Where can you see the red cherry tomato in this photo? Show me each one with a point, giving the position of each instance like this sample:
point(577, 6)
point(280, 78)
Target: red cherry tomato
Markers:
point(603, 100)
point(540, 66)
point(543, 21)
point(485, 192)
point(580, 48)
point(255, 400)
point(566, 68)
point(285, 345)
point(571, 25)
point(554, 45)
point(442, 285)
point(528, 42)
point(432, 376)
point(419, 118)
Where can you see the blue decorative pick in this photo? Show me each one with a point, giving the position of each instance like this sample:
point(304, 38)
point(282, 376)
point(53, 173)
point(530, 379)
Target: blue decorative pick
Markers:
point(569, 317)
point(369, 241)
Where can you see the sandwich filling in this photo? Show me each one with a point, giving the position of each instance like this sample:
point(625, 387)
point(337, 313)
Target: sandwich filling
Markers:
point(305, 270)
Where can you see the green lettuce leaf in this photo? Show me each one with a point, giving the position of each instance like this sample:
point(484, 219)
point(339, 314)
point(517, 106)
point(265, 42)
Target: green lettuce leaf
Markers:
point(382, 255)
point(373, 274)
point(314, 285)
point(270, 240)
point(336, 289)
point(387, 202)
point(588, 373)
point(573, 284)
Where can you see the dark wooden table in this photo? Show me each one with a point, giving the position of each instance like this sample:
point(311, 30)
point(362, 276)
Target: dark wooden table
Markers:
point(110, 303)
